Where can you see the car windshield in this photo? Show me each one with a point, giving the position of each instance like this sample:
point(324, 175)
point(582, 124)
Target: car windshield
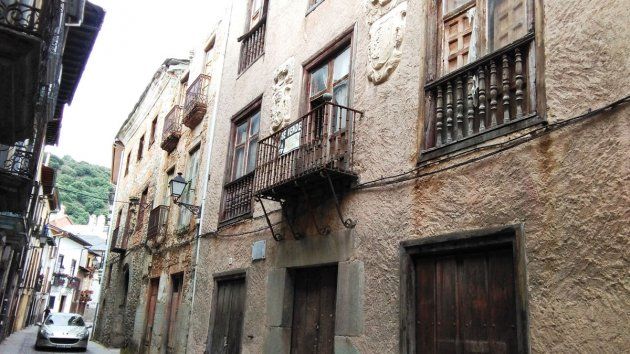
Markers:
point(64, 319)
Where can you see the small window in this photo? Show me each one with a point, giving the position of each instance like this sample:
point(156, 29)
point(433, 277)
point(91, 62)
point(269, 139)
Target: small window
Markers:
point(166, 193)
point(127, 164)
point(142, 208)
point(253, 40)
point(191, 174)
point(153, 131)
point(73, 266)
point(245, 141)
point(140, 148)
point(207, 58)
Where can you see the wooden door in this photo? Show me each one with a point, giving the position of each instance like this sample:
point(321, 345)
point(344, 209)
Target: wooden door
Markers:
point(176, 300)
point(465, 303)
point(313, 328)
point(151, 301)
point(228, 321)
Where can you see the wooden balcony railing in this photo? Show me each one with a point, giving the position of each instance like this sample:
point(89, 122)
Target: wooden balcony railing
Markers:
point(489, 93)
point(16, 160)
point(23, 17)
point(172, 129)
point(237, 198)
point(157, 222)
point(196, 103)
point(321, 139)
point(252, 45)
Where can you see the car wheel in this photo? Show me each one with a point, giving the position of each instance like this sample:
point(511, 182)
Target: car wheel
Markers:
point(84, 349)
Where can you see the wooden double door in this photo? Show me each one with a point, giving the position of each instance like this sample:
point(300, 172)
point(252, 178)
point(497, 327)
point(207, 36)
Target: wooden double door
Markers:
point(314, 302)
point(465, 302)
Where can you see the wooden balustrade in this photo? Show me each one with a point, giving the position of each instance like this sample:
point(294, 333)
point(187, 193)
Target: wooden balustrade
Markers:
point(196, 103)
point(237, 198)
point(321, 139)
point(157, 222)
point(252, 45)
point(172, 131)
point(491, 92)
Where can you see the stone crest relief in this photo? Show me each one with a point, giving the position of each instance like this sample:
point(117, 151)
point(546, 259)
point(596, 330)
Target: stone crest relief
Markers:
point(281, 95)
point(385, 39)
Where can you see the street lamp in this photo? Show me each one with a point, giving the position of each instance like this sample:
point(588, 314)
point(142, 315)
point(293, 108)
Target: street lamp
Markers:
point(178, 185)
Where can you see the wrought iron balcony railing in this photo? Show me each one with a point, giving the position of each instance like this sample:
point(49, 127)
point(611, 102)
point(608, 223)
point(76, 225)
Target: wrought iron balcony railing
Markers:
point(172, 129)
point(196, 101)
point(322, 139)
point(237, 198)
point(19, 15)
point(485, 95)
point(26, 17)
point(158, 219)
point(16, 160)
point(252, 45)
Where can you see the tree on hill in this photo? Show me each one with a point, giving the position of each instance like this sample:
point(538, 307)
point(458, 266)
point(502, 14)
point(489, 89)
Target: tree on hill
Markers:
point(83, 188)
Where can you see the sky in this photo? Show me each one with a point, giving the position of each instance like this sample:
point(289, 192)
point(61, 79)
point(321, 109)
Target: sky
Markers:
point(136, 37)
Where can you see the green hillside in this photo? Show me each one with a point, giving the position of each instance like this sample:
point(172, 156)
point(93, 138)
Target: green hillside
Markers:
point(77, 182)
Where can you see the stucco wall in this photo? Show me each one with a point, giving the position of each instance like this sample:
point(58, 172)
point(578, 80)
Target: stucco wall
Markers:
point(568, 188)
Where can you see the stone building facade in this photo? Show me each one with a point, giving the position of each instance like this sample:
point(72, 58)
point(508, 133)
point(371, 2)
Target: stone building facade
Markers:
point(409, 176)
point(147, 280)
point(549, 192)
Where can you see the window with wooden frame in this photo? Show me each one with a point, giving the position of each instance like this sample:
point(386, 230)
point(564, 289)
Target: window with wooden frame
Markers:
point(140, 148)
point(237, 193)
point(142, 208)
point(153, 131)
point(253, 40)
point(481, 72)
point(183, 86)
point(328, 76)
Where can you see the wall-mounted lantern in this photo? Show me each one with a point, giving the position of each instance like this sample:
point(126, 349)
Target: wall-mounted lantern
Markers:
point(178, 185)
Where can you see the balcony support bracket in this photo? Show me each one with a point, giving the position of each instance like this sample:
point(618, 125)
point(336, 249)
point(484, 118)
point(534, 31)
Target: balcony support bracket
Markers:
point(276, 236)
point(348, 223)
point(324, 230)
point(283, 205)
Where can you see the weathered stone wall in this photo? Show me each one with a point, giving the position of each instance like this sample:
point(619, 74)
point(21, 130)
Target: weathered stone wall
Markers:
point(568, 188)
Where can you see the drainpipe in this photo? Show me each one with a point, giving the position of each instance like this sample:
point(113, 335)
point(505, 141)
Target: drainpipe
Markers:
point(209, 142)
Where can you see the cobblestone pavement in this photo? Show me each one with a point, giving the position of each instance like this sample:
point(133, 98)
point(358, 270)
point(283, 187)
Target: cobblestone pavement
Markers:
point(24, 342)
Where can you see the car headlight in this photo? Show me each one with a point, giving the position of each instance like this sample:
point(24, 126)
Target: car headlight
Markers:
point(45, 333)
point(84, 334)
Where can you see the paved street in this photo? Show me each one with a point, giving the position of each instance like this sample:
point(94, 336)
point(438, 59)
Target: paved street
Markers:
point(24, 342)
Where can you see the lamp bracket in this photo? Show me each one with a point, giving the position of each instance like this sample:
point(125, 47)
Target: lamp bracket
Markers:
point(195, 209)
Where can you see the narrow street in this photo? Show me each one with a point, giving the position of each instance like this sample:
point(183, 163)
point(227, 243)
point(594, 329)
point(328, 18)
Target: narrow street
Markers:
point(23, 342)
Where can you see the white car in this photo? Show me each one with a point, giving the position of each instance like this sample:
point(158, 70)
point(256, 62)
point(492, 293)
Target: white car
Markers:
point(63, 331)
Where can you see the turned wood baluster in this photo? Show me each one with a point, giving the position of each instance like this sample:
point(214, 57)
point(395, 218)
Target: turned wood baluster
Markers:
point(518, 78)
point(470, 110)
point(482, 99)
point(493, 94)
point(459, 96)
point(449, 112)
point(439, 116)
point(506, 89)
